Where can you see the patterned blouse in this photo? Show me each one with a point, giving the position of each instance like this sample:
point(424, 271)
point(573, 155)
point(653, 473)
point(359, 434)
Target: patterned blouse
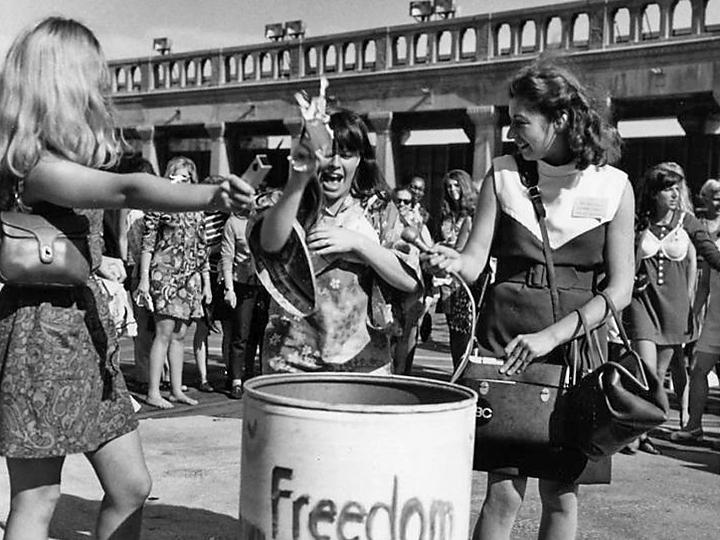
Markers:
point(354, 313)
point(179, 257)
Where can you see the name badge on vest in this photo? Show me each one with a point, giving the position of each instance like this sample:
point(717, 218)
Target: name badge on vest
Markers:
point(590, 207)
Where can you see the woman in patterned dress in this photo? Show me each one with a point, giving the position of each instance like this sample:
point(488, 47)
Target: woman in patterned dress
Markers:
point(61, 389)
point(589, 207)
point(175, 280)
point(351, 231)
point(457, 211)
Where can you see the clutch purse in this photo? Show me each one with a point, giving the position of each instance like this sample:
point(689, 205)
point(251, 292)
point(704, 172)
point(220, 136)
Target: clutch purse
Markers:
point(44, 251)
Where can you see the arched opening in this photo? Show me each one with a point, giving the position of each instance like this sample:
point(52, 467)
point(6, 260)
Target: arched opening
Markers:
point(712, 16)
point(681, 18)
point(621, 26)
point(311, 61)
point(368, 54)
point(581, 31)
point(554, 33)
point(400, 51)
point(650, 22)
point(159, 73)
point(120, 80)
point(350, 57)
point(421, 48)
point(191, 72)
point(284, 63)
point(266, 66)
point(444, 46)
point(207, 71)
point(528, 37)
point(248, 67)
point(503, 40)
point(231, 68)
point(136, 78)
point(468, 43)
point(175, 74)
point(330, 58)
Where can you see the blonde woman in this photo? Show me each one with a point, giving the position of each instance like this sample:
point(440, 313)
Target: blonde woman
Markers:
point(61, 389)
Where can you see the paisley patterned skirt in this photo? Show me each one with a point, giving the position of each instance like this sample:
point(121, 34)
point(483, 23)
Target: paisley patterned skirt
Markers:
point(61, 389)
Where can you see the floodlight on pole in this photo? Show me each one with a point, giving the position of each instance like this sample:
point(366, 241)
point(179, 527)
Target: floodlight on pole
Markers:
point(295, 29)
point(444, 8)
point(162, 45)
point(274, 31)
point(421, 10)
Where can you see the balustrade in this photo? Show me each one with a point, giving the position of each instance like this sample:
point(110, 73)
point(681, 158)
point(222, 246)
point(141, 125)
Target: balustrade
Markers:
point(576, 26)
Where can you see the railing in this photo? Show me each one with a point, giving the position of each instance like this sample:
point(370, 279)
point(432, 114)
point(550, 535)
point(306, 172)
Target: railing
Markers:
point(577, 26)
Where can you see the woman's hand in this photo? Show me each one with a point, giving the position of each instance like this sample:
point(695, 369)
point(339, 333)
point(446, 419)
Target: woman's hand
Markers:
point(207, 294)
point(524, 348)
point(441, 260)
point(142, 295)
point(332, 240)
point(234, 195)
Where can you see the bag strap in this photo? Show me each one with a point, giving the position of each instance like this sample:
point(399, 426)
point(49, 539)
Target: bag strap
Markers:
point(472, 342)
point(529, 175)
point(624, 337)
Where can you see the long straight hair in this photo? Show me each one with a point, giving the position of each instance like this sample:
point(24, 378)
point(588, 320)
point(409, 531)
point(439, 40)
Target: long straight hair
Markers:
point(54, 98)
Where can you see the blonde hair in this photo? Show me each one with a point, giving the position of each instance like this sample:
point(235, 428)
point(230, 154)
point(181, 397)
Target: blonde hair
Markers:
point(54, 97)
point(181, 162)
point(709, 188)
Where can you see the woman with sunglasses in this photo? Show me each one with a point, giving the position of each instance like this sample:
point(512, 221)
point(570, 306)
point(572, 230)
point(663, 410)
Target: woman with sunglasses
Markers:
point(336, 206)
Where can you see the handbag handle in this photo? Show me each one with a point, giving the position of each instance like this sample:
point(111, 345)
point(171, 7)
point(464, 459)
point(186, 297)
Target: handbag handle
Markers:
point(624, 337)
point(473, 325)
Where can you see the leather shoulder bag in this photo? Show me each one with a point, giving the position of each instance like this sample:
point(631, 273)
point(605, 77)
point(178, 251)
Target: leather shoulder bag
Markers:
point(616, 403)
point(44, 250)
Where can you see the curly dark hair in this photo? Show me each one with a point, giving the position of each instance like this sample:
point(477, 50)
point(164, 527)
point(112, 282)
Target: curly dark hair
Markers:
point(555, 91)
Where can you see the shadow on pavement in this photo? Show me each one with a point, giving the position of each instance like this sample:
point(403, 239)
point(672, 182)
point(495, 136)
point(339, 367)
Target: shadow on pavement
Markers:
point(74, 519)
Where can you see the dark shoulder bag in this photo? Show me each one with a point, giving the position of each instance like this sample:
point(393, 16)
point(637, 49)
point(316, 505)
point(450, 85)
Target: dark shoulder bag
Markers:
point(523, 409)
point(44, 250)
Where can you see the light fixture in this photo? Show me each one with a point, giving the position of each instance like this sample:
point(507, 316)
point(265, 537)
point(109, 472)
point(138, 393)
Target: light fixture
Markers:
point(275, 31)
point(444, 8)
point(295, 29)
point(421, 10)
point(162, 45)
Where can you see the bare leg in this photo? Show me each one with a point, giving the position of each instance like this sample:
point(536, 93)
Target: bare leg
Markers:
point(200, 348)
point(648, 351)
point(34, 493)
point(503, 498)
point(559, 510)
point(176, 355)
point(158, 353)
point(120, 467)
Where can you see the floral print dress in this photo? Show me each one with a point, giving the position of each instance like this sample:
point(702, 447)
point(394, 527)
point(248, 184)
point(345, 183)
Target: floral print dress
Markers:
point(350, 326)
point(179, 257)
point(61, 389)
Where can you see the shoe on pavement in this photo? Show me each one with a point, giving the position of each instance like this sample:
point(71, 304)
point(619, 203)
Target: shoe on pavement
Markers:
point(206, 387)
point(236, 392)
point(628, 450)
point(649, 448)
point(683, 436)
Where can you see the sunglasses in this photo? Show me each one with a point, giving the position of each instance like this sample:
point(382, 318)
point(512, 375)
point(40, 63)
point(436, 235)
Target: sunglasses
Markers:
point(404, 201)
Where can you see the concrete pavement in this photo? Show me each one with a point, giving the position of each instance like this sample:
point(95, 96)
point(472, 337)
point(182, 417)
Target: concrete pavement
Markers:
point(194, 457)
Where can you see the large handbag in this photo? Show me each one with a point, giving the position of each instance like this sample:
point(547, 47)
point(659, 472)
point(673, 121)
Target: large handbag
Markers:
point(524, 408)
point(44, 250)
point(615, 403)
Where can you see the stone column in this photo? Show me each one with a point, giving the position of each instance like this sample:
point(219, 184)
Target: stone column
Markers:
point(381, 122)
point(218, 150)
point(147, 138)
point(486, 137)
